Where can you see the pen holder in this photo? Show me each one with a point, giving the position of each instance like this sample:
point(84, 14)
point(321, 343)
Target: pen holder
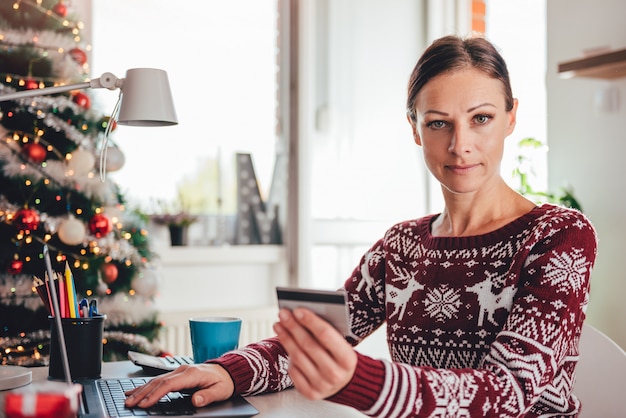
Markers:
point(83, 342)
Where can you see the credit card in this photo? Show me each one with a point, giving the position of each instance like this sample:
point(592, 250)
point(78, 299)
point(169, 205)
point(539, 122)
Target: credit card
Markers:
point(330, 305)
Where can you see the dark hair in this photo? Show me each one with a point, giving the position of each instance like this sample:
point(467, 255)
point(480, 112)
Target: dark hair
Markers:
point(453, 53)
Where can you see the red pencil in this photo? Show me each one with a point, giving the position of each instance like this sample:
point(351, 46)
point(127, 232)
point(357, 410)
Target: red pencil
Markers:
point(63, 308)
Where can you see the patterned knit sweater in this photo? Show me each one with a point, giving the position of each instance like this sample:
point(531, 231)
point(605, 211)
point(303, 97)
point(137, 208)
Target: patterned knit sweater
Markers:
point(484, 325)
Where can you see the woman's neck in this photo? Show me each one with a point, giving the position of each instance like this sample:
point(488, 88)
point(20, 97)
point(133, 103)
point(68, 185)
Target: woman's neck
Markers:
point(473, 215)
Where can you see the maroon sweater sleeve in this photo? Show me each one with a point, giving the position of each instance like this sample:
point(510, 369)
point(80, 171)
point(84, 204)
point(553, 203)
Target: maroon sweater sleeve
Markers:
point(364, 388)
point(257, 368)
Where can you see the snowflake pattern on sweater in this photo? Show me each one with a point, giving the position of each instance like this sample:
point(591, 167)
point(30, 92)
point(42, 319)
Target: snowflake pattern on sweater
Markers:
point(484, 325)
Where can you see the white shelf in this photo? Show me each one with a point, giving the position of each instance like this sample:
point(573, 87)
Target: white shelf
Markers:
point(608, 65)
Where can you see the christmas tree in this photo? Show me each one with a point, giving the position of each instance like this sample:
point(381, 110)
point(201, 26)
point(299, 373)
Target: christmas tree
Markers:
point(51, 194)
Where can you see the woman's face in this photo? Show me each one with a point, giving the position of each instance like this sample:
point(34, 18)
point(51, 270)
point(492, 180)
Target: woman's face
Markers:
point(461, 125)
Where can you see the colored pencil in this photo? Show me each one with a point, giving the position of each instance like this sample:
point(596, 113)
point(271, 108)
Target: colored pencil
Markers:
point(72, 301)
point(62, 297)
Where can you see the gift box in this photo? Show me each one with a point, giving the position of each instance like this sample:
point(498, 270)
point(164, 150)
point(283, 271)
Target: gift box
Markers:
point(43, 400)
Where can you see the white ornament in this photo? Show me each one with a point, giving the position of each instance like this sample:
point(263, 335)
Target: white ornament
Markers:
point(72, 231)
point(81, 163)
point(115, 159)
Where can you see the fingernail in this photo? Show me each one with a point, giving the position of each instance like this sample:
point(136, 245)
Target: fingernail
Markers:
point(199, 400)
point(283, 315)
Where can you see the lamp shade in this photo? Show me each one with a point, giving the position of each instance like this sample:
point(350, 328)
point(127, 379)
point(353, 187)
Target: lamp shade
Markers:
point(146, 99)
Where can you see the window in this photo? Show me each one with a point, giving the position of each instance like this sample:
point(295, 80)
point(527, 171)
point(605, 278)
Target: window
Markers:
point(221, 61)
point(364, 170)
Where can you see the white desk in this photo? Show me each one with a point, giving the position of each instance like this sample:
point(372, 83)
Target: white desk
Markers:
point(286, 404)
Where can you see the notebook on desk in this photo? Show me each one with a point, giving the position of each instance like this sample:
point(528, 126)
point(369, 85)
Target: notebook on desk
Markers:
point(105, 397)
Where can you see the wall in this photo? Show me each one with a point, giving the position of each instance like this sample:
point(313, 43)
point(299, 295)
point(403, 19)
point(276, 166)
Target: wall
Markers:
point(588, 145)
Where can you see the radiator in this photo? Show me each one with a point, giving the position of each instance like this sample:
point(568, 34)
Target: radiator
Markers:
point(174, 336)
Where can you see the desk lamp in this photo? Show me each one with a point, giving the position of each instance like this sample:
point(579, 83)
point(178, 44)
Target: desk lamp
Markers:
point(145, 100)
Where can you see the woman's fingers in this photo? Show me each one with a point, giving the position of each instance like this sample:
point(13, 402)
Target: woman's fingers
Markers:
point(210, 382)
point(321, 361)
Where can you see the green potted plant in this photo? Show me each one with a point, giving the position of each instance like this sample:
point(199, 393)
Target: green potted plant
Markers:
point(523, 172)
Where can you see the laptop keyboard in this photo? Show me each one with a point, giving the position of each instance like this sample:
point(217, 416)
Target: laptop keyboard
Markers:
point(174, 403)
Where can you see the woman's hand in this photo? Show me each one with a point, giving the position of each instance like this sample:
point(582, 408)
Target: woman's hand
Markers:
point(210, 383)
point(321, 361)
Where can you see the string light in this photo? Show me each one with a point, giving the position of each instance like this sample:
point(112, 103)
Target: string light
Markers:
point(37, 5)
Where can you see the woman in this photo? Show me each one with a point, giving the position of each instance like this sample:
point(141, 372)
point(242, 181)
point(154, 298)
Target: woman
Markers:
point(483, 303)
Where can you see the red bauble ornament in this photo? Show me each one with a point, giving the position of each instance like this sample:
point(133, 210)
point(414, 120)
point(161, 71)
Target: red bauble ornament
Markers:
point(109, 273)
point(16, 267)
point(82, 100)
point(35, 152)
point(78, 55)
point(100, 225)
point(60, 9)
point(31, 84)
point(26, 219)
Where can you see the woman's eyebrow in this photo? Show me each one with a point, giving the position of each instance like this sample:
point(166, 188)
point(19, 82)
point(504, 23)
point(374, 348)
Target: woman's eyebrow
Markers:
point(437, 112)
point(471, 109)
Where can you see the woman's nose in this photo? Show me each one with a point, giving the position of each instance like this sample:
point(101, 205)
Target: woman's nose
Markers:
point(460, 141)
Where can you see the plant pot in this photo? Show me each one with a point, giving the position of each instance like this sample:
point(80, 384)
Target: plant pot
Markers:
point(178, 235)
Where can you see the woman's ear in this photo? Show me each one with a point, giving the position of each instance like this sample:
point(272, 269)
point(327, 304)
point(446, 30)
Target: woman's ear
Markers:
point(512, 118)
point(416, 136)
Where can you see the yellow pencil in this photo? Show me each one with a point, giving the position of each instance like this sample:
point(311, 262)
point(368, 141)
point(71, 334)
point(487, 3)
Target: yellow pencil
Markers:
point(71, 292)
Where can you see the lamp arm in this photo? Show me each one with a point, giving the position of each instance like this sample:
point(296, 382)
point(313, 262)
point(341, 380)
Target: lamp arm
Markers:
point(107, 80)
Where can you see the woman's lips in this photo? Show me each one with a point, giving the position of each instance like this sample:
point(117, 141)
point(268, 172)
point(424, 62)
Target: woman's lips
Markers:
point(462, 169)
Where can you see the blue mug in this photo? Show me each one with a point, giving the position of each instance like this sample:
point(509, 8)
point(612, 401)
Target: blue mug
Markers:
point(212, 336)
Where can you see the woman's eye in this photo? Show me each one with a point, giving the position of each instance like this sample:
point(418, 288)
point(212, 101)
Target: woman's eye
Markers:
point(436, 124)
point(482, 119)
